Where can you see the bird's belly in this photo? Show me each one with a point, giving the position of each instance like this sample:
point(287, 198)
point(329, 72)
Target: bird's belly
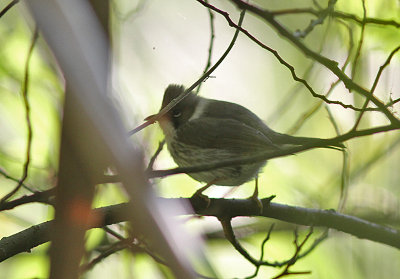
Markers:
point(188, 155)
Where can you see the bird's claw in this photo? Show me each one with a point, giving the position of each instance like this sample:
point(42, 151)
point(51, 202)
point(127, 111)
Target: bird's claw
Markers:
point(200, 199)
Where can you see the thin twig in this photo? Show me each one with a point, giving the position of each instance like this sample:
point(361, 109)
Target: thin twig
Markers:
point(112, 249)
point(294, 259)
point(262, 252)
point(374, 85)
point(211, 45)
point(136, 246)
point(360, 41)
point(344, 185)
point(7, 176)
point(28, 119)
point(282, 61)
point(9, 6)
point(154, 157)
point(331, 65)
point(320, 20)
point(307, 115)
point(42, 197)
point(168, 107)
point(338, 14)
point(290, 98)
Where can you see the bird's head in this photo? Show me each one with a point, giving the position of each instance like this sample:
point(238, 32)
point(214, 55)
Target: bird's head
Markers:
point(180, 113)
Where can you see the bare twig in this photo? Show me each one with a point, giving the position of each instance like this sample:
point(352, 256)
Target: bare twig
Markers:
point(7, 176)
point(42, 197)
point(193, 86)
point(338, 14)
point(275, 154)
point(211, 45)
point(307, 115)
point(281, 60)
point(112, 249)
point(154, 157)
point(294, 259)
point(345, 166)
point(262, 252)
point(136, 245)
point(320, 20)
point(28, 120)
point(290, 97)
point(331, 65)
point(377, 78)
point(9, 6)
point(360, 42)
point(261, 156)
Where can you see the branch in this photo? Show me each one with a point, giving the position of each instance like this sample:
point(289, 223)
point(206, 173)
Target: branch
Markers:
point(221, 208)
point(276, 54)
point(332, 65)
point(266, 155)
point(42, 197)
point(339, 14)
point(320, 20)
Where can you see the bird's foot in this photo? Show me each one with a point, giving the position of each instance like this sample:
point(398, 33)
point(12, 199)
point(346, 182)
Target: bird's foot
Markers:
point(256, 201)
point(200, 199)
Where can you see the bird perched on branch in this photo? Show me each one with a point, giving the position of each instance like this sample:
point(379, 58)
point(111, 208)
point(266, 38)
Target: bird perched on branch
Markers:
point(201, 131)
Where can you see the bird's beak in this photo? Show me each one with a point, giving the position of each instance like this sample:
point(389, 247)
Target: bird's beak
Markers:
point(155, 118)
point(150, 117)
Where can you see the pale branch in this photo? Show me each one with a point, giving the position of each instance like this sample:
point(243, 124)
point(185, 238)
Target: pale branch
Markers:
point(36, 235)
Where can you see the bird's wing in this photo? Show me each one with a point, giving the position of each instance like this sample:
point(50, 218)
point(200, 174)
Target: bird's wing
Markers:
point(228, 134)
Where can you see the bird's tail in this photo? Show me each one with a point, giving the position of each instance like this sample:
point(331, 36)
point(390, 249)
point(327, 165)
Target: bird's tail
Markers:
point(305, 141)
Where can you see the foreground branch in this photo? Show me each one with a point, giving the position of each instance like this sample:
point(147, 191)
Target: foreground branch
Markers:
point(36, 235)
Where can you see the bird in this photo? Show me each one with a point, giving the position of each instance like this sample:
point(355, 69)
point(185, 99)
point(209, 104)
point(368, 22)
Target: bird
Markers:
point(201, 131)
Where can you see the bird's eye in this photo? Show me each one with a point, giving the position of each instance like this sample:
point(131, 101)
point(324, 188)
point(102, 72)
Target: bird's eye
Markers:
point(177, 114)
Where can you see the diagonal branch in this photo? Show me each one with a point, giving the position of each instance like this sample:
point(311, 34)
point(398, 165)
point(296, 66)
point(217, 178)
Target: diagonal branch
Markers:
point(205, 75)
point(332, 65)
point(276, 54)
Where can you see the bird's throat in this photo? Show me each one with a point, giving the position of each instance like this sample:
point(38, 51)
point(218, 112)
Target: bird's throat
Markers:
point(167, 127)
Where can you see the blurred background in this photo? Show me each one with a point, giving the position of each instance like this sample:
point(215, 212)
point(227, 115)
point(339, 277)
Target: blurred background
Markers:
point(156, 44)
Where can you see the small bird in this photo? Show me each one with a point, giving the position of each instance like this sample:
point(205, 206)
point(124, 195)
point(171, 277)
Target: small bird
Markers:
point(200, 131)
